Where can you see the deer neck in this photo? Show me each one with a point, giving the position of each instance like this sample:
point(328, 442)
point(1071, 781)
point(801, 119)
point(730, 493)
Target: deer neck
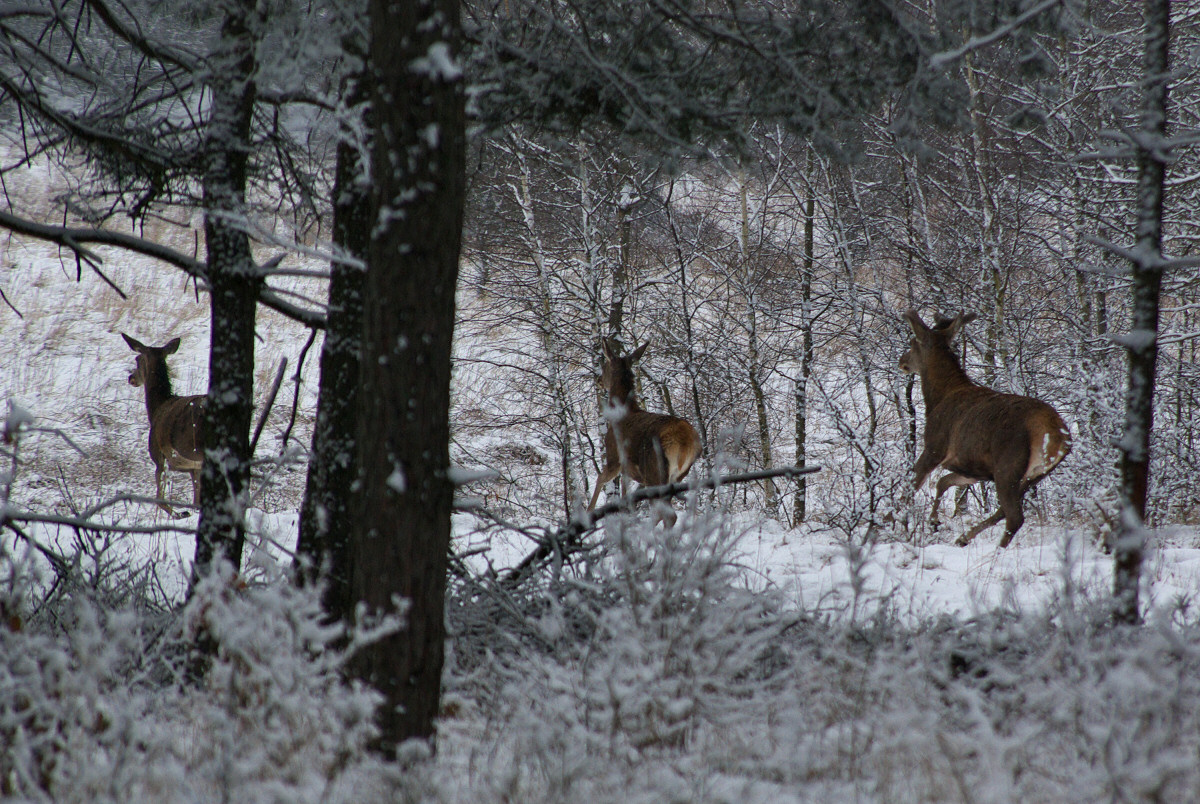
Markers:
point(941, 376)
point(627, 401)
point(157, 391)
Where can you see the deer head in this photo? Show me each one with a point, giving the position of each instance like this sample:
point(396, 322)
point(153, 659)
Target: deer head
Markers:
point(617, 376)
point(151, 366)
point(927, 340)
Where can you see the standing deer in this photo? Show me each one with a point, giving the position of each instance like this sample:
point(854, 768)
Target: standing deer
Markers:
point(176, 422)
point(977, 433)
point(649, 448)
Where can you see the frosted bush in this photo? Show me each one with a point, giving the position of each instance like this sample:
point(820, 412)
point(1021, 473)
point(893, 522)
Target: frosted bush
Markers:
point(676, 647)
point(100, 709)
point(654, 674)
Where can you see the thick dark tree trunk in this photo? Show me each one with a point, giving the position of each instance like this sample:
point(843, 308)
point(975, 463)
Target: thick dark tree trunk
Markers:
point(402, 525)
point(234, 283)
point(1142, 342)
point(325, 517)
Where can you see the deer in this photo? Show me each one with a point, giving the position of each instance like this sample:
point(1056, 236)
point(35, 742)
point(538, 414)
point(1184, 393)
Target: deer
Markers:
point(649, 448)
point(176, 422)
point(977, 433)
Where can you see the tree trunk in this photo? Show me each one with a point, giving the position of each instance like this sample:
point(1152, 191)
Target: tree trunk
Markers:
point(325, 518)
point(234, 283)
point(1142, 342)
point(754, 372)
point(402, 525)
point(800, 503)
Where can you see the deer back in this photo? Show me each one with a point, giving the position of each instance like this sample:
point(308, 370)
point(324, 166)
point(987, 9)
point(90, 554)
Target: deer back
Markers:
point(177, 430)
point(973, 430)
point(658, 448)
point(981, 433)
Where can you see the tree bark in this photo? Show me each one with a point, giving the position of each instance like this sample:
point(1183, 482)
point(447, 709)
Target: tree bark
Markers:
point(1142, 342)
point(402, 525)
point(325, 517)
point(234, 282)
point(800, 502)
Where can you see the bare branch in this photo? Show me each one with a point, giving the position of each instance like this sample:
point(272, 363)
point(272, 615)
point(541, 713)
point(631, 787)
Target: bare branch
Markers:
point(569, 534)
point(74, 238)
point(940, 60)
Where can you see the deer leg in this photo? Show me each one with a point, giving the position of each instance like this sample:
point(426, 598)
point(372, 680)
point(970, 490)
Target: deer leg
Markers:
point(195, 473)
point(966, 538)
point(665, 513)
point(1009, 493)
point(605, 477)
point(1010, 502)
point(960, 499)
point(946, 482)
point(158, 488)
point(664, 510)
point(924, 465)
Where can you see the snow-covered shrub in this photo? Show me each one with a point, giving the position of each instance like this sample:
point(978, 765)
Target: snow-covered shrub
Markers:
point(677, 648)
point(654, 674)
point(278, 721)
point(100, 707)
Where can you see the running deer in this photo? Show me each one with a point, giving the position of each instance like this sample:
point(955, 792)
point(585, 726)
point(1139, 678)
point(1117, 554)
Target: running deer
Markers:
point(649, 448)
point(977, 433)
point(176, 422)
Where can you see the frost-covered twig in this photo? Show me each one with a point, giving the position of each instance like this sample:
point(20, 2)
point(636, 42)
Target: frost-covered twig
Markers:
point(569, 533)
point(75, 238)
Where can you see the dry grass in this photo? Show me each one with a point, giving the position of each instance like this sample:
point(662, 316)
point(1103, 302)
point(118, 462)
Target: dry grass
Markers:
point(62, 359)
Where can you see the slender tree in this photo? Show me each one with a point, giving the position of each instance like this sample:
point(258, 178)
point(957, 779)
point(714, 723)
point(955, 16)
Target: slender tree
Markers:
point(1146, 260)
point(233, 279)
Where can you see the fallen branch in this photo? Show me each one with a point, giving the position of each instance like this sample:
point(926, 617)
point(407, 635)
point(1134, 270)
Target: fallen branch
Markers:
point(262, 419)
point(570, 533)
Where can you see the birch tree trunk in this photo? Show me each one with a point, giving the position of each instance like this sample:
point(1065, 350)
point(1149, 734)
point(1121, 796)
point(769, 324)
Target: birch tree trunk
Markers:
point(800, 500)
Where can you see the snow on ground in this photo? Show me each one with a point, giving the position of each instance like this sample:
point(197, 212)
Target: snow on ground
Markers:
point(923, 581)
point(817, 570)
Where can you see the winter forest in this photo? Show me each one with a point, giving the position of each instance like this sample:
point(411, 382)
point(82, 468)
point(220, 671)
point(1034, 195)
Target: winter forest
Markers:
point(599, 401)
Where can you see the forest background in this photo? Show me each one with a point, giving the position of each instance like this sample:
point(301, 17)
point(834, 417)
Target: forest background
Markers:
point(758, 192)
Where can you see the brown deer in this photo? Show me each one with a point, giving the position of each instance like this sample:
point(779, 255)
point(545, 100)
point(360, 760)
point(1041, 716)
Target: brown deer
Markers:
point(977, 433)
point(176, 422)
point(649, 448)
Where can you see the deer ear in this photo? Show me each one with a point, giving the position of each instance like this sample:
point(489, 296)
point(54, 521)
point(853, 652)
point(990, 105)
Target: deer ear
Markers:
point(134, 344)
point(958, 323)
point(637, 353)
point(607, 348)
point(914, 321)
point(171, 346)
